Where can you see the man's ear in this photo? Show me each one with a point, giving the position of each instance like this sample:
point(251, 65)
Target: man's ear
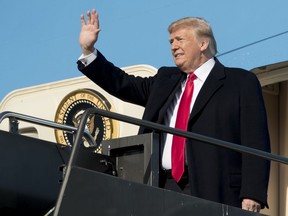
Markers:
point(204, 44)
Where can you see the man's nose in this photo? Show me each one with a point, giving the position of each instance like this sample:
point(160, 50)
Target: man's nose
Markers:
point(174, 46)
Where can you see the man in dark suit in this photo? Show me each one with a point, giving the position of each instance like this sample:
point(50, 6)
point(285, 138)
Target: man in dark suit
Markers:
point(226, 104)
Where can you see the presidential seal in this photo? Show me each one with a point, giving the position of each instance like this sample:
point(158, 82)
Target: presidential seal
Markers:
point(71, 109)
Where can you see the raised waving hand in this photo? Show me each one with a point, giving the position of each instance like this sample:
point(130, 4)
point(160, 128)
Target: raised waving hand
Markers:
point(89, 32)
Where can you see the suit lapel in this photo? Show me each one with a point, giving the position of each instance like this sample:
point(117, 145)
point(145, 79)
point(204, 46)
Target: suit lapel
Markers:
point(172, 85)
point(213, 82)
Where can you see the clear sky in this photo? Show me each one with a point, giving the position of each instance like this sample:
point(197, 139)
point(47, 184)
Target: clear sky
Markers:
point(39, 39)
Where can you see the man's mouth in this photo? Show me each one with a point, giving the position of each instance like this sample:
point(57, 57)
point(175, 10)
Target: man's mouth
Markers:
point(178, 55)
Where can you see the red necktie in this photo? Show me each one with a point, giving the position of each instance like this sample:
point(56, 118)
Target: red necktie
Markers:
point(178, 143)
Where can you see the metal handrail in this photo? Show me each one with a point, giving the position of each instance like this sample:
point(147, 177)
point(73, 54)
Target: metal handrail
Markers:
point(81, 131)
point(14, 117)
point(186, 134)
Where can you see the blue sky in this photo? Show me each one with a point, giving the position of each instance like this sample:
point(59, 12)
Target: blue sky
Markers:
point(39, 39)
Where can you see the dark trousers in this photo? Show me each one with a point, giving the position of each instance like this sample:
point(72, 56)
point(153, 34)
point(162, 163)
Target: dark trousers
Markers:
point(167, 182)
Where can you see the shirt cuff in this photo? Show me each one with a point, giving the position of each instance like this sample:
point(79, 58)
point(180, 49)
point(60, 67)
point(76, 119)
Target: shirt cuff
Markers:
point(87, 59)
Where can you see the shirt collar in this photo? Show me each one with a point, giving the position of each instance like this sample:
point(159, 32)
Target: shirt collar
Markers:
point(204, 70)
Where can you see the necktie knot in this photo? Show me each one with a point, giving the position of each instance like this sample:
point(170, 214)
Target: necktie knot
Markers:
point(192, 77)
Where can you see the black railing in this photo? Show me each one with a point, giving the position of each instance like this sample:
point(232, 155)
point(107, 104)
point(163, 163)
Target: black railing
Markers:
point(14, 119)
point(80, 131)
point(162, 128)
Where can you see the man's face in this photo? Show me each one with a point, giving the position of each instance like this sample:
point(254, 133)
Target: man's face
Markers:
point(186, 49)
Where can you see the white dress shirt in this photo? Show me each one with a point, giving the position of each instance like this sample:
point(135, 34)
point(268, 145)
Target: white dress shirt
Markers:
point(170, 119)
point(87, 59)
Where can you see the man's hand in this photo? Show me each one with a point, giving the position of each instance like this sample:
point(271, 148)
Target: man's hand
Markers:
point(251, 205)
point(89, 32)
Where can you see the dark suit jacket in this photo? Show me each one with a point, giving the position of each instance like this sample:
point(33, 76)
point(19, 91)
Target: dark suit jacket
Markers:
point(229, 107)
